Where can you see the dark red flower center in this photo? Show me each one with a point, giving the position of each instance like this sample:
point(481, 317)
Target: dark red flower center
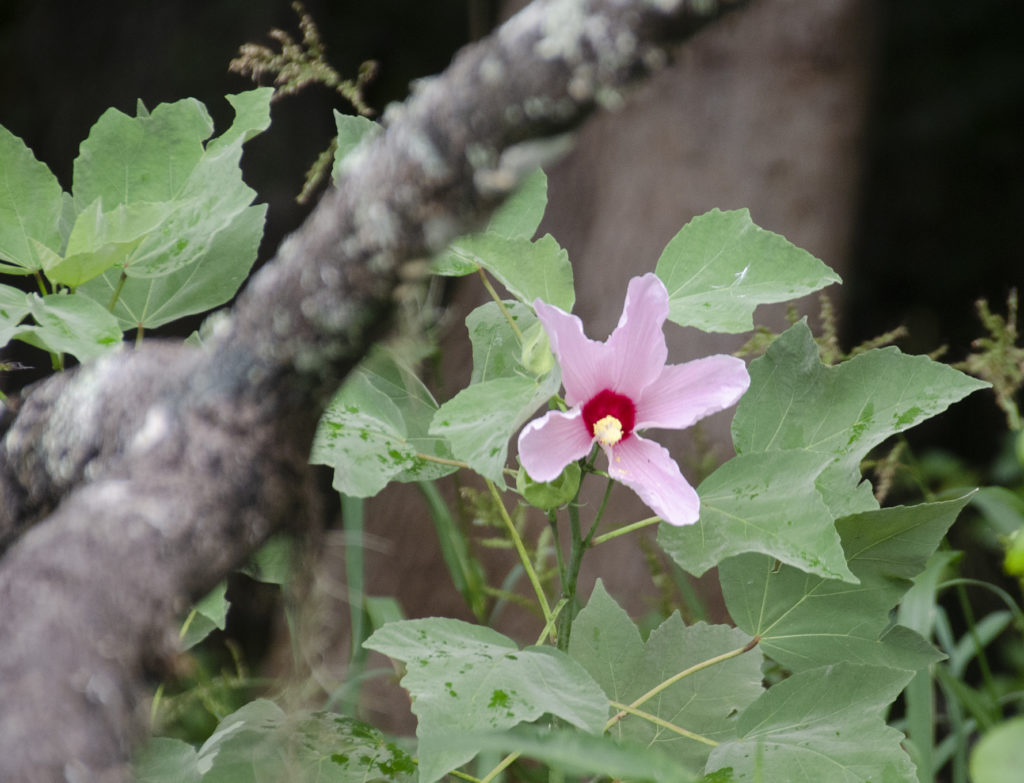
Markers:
point(608, 403)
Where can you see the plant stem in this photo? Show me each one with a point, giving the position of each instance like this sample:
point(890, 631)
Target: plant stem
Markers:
point(571, 576)
point(523, 556)
point(501, 305)
point(682, 675)
point(117, 291)
point(624, 530)
point(663, 723)
point(502, 765)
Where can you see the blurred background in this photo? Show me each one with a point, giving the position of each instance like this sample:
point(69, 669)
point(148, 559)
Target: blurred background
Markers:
point(885, 137)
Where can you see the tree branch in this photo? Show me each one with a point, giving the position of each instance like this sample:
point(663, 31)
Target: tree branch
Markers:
point(130, 486)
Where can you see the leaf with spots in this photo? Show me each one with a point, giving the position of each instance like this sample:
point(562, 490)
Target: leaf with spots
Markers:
point(262, 742)
point(375, 429)
point(465, 679)
point(720, 267)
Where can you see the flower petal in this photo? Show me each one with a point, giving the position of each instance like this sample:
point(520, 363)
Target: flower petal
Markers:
point(583, 361)
point(646, 467)
point(685, 393)
point(637, 346)
point(548, 444)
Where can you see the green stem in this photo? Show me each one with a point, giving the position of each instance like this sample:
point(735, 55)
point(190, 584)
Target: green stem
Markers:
point(627, 529)
point(40, 282)
point(501, 304)
point(521, 549)
point(117, 291)
point(663, 723)
point(502, 765)
point(571, 577)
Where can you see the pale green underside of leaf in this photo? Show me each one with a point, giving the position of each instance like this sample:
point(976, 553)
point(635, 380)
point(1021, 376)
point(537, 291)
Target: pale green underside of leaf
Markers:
point(822, 724)
point(528, 269)
point(479, 421)
point(31, 201)
point(502, 396)
point(260, 742)
point(465, 679)
point(720, 267)
point(375, 429)
point(608, 645)
point(167, 212)
point(352, 131)
point(806, 621)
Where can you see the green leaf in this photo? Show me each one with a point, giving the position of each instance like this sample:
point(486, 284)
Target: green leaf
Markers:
point(497, 351)
point(582, 754)
point(480, 419)
point(806, 621)
point(260, 742)
point(529, 270)
point(210, 613)
point(352, 130)
point(819, 725)
point(148, 158)
point(274, 562)
point(101, 240)
point(608, 645)
point(761, 503)
point(999, 756)
point(465, 678)
point(70, 324)
point(375, 429)
point(840, 413)
point(196, 288)
point(166, 760)
point(720, 267)
point(31, 203)
point(518, 218)
point(801, 431)
point(15, 304)
point(208, 234)
point(522, 212)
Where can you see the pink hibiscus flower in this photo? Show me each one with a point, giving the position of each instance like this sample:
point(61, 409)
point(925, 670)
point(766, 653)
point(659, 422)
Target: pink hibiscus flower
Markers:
point(618, 387)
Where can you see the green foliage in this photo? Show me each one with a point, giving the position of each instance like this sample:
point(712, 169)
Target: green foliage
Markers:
point(158, 226)
point(800, 432)
point(999, 757)
point(376, 429)
point(465, 678)
point(720, 267)
point(821, 724)
point(804, 621)
point(260, 742)
point(608, 645)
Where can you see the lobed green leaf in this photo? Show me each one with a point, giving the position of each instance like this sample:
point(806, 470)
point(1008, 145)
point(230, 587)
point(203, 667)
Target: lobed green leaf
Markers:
point(375, 430)
point(465, 679)
point(720, 267)
point(608, 645)
point(821, 724)
point(805, 620)
point(31, 204)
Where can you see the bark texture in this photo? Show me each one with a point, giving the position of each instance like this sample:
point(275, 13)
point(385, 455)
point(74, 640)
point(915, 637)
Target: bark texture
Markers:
point(132, 485)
